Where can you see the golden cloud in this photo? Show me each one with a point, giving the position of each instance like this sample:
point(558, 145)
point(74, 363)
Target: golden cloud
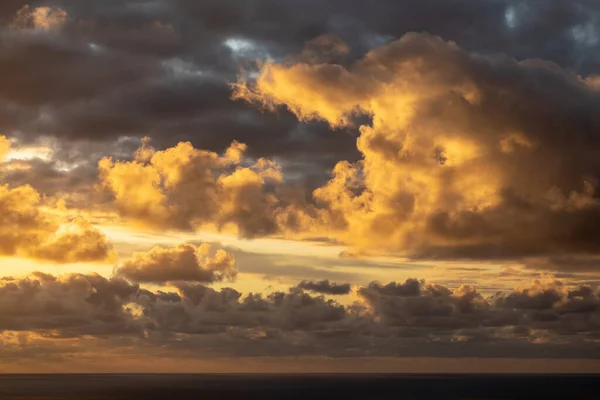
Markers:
point(443, 172)
point(4, 147)
point(29, 227)
point(187, 188)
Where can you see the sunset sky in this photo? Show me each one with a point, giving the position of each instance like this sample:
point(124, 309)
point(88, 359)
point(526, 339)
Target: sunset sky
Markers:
point(300, 186)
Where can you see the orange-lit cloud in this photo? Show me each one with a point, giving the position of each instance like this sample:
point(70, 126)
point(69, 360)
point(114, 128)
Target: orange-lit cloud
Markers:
point(449, 168)
point(185, 188)
point(4, 147)
point(418, 318)
point(45, 19)
point(27, 229)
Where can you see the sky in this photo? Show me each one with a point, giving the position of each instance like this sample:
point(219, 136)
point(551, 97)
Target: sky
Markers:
point(299, 185)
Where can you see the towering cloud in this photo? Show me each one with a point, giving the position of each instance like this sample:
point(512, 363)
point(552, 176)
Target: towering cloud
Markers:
point(466, 156)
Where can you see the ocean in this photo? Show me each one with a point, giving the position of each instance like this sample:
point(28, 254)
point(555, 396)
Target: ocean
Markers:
point(326, 386)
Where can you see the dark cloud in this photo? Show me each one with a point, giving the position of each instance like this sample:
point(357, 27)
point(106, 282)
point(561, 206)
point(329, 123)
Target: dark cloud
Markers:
point(161, 68)
point(423, 321)
point(473, 134)
point(411, 287)
point(72, 71)
point(184, 263)
point(142, 70)
point(72, 305)
point(586, 263)
point(326, 287)
point(8, 10)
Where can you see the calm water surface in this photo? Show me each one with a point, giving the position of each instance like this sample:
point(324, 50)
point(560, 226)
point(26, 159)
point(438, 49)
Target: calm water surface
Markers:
point(224, 387)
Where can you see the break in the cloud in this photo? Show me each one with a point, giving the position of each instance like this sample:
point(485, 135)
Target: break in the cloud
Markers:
point(184, 263)
point(409, 319)
point(466, 156)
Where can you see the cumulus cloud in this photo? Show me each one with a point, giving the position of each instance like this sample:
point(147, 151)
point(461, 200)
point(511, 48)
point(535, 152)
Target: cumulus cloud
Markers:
point(477, 144)
point(33, 227)
point(134, 71)
point(77, 241)
point(415, 317)
point(29, 232)
point(326, 287)
point(68, 305)
point(452, 154)
point(186, 188)
point(186, 262)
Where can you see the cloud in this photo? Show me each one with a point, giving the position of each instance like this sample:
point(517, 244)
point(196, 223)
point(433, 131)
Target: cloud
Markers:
point(186, 262)
point(78, 241)
point(161, 70)
point(544, 307)
point(541, 319)
point(44, 19)
point(33, 227)
point(451, 156)
point(72, 304)
point(30, 232)
point(183, 187)
point(452, 203)
point(107, 43)
point(326, 287)
point(4, 147)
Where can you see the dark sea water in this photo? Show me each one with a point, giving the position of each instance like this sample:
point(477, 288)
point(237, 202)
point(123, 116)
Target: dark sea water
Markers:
point(366, 387)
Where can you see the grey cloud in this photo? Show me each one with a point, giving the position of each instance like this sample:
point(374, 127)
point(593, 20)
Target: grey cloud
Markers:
point(204, 310)
point(74, 305)
point(72, 70)
point(434, 321)
point(326, 287)
point(586, 263)
point(104, 75)
point(184, 263)
point(411, 287)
